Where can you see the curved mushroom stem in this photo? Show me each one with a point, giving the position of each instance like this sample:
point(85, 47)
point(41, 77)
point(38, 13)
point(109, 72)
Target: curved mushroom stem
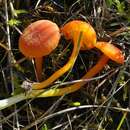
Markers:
point(64, 69)
point(111, 51)
point(38, 64)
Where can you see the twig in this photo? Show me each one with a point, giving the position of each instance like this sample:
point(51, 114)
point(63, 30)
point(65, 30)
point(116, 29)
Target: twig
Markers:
point(83, 80)
point(119, 31)
point(3, 46)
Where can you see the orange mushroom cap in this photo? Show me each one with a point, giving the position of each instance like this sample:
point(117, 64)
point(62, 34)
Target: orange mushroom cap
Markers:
point(111, 51)
point(39, 39)
point(73, 29)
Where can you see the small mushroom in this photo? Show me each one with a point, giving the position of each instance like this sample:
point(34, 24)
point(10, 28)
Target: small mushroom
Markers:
point(39, 39)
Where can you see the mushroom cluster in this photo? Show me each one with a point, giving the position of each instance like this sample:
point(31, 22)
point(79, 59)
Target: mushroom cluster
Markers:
point(41, 37)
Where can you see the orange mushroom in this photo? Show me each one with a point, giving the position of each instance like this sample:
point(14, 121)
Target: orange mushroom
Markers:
point(78, 33)
point(39, 39)
point(107, 48)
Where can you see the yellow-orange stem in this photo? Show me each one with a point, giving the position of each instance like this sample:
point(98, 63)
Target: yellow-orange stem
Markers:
point(72, 88)
point(63, 70)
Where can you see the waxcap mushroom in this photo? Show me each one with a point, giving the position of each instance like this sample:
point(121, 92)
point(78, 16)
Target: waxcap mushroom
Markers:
point(39, 38)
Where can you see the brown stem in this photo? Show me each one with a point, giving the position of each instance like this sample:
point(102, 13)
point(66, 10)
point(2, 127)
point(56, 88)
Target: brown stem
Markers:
point(38, 65)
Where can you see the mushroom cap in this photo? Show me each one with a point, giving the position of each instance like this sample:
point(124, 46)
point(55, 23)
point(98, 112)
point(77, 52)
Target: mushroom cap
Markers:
point(73, 29)
point(111, 51)
point(39, 39)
